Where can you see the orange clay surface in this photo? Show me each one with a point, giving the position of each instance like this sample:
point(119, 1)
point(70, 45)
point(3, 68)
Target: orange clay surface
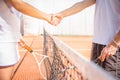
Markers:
point(28, 69)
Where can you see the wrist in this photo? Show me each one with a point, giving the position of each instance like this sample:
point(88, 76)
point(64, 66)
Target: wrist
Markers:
point(61, 15)
point(115, 44)
point(47, 18)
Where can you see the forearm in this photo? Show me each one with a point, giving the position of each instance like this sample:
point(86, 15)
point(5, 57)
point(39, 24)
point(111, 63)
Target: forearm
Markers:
point(29, 10)
point(77, 7)
point(116, 39)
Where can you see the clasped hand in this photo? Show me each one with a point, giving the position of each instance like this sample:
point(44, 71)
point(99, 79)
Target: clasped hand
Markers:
point(55, 19)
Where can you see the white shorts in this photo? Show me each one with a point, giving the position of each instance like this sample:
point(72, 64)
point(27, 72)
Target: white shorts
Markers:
point(9, 53)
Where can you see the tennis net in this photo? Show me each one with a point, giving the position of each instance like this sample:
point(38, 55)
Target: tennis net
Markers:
point(64, 63)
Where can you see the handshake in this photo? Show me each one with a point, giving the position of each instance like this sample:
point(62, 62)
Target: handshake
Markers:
point(55, 19)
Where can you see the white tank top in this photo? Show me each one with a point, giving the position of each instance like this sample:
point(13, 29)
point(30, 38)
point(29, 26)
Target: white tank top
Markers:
point(9, 24)
point(107, 21)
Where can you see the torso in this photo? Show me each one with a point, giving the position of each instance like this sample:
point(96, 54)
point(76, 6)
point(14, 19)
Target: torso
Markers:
point(107, 20)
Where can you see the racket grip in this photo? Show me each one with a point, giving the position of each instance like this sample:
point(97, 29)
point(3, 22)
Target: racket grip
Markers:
point(23, 44)
point(97, 61)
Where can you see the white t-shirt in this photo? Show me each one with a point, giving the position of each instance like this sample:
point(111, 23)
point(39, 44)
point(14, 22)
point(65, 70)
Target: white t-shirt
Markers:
point(9, 24)
point(107, 21)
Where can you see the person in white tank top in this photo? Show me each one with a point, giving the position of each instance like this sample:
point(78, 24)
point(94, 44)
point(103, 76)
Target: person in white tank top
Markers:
point(10, 32)
point(106, 38)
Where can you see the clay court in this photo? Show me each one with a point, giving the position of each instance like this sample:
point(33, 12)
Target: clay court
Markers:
point(28, 69)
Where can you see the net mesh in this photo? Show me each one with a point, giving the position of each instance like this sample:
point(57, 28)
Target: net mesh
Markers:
point(63, 63)
point(57, 65)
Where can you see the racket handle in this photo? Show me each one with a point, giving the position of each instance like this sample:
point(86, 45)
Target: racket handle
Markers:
point(23, 44)
point(97, 61)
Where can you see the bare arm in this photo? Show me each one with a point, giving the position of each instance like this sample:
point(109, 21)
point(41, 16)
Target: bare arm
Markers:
point(116, 40)
point(77, 7)
point(27, 9)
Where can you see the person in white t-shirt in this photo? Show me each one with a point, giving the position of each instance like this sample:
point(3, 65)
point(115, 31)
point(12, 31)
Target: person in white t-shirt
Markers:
point(10, 32)
point(106, 38)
